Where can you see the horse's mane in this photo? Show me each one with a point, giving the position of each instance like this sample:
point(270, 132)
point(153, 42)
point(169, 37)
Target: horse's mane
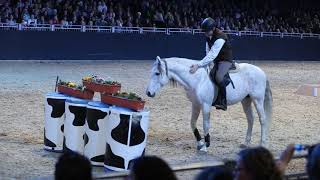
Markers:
point(182, 61)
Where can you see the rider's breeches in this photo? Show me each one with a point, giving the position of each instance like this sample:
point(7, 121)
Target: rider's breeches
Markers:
point(223, 69)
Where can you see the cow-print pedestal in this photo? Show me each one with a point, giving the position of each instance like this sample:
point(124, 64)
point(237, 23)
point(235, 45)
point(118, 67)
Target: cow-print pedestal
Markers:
point(126, 137)
point(53, 122)
point(76, 110)
point(95, 132)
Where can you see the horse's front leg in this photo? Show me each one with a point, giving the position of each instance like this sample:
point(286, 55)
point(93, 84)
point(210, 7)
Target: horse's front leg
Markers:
point(206, 125)
point(194, 118)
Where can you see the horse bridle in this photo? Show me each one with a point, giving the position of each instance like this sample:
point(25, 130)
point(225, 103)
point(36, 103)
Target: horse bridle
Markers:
point(166, 67)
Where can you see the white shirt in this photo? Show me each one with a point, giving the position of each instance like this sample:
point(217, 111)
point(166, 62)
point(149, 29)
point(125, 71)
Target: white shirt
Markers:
point(212, 53)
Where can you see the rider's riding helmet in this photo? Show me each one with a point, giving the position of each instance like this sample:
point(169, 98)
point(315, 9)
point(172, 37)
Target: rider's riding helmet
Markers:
point(208, 24)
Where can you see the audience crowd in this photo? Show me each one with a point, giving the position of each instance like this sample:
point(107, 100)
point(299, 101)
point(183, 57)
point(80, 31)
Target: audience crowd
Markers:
point(244, 15)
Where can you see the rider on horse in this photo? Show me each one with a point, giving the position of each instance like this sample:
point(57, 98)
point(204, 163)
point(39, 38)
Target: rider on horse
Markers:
point(218, 50)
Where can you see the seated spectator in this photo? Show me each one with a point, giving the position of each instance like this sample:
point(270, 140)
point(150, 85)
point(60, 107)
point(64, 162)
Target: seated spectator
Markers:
point(11, 21)
point(32, 21)
point(285, 158)
point(64, 21)
point(313, 162)
point(73, 165)
point(215, 173)
point(55, 20)
point(42, 20)
point(151, 167)
point(256, 164)
point(25, 16)
point(102, 6)
point(158, 19)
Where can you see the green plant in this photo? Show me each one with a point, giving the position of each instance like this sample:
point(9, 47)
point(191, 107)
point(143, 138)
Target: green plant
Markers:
point(99, 80)
point(130, 96)
point(71, 85)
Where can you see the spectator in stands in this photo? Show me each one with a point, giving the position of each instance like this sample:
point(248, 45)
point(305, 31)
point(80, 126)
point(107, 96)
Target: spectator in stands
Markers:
point(82, 20)
point(102, 7)
point(64, 21)
point(151, 167)
point(103, 20)
point(169, 19)
point(11, 21)
point(42, 20)
point(215, 173)
point(26, 16)
point(32, 20)
point(158, 19)
point(55, 20)
point(138, 20)
point(256, 163)
point(72, 165)
point(119, 22)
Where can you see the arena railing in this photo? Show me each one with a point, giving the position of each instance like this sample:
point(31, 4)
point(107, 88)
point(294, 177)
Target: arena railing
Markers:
point(142, 30)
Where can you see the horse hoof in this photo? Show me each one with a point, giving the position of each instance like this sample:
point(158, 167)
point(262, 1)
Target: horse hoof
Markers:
point(200, 145)
point(203, 150)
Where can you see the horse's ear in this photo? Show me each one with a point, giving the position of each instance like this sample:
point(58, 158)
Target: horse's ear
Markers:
point(158, 60)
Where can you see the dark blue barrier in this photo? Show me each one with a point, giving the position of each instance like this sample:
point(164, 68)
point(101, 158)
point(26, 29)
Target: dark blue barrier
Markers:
point(37, 45)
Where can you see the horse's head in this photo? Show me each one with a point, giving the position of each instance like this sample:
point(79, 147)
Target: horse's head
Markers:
point(159, 77)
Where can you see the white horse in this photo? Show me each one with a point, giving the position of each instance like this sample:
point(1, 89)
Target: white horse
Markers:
point(251, 85)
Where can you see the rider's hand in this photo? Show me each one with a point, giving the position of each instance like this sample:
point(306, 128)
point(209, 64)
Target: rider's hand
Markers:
point(194, 68)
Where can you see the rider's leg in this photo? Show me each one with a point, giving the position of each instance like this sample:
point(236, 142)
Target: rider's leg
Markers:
point(223, 69)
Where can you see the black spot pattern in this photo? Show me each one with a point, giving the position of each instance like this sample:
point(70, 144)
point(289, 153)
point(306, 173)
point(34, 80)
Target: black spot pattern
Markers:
point(93, 116)
point(144, 151)
point(120, 133)
point(99, 158)
point(132, 160)
point(65, 148)
point(62, 128)
point(85, 138)
point(47, 142)
point(113, 160)
point(137, 134)
point(58, 107)
point(130, 164)
point(79, 115)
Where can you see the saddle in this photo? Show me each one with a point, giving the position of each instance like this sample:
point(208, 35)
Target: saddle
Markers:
point(233, 69)
point(220, 101)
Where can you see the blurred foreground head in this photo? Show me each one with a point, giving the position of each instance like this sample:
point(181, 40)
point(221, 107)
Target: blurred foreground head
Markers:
point(72, 165)
point(256, 163)
point(151, 167)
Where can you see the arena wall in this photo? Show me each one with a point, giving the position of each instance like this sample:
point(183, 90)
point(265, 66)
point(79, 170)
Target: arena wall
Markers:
point(42, 45)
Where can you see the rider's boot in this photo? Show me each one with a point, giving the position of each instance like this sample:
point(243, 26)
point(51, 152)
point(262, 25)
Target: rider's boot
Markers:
point(221, 102)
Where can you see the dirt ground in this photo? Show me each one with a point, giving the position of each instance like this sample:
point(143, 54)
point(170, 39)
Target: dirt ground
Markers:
point(296, 118)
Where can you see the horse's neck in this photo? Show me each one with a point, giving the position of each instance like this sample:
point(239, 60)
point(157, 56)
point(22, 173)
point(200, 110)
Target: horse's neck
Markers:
point(181, 74)
point(182, 80)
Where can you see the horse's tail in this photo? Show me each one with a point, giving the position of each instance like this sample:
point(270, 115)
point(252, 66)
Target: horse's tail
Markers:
point(268, 100)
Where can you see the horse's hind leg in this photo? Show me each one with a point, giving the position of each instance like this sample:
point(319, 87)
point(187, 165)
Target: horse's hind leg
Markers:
point(259, 104)
point(247, 108)
point(194, 118)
